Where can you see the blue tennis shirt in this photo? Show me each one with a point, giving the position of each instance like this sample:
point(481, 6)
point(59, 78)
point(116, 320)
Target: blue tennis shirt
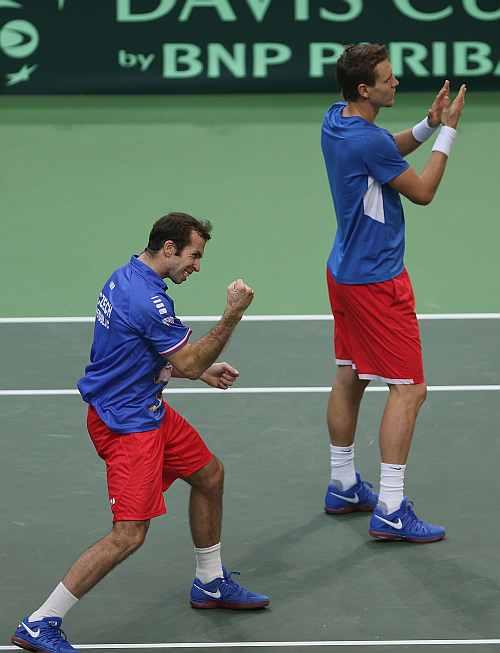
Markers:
point(361, 159)
point(135, 328)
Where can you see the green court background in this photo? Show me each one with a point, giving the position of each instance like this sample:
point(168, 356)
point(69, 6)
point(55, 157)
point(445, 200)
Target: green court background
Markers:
point(83, 178)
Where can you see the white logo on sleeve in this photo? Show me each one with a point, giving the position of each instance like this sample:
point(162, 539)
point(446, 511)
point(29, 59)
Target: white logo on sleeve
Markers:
point(159, 305)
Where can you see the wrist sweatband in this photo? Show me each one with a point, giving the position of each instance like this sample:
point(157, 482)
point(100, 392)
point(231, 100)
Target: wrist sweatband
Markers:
point(422, 130)
point(444, 140)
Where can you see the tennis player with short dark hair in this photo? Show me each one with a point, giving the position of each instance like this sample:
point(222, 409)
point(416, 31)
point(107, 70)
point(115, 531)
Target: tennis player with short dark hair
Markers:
point(376, 329)
point(139, 343)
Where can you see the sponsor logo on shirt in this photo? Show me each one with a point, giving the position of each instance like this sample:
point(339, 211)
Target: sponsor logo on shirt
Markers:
point(103, 310)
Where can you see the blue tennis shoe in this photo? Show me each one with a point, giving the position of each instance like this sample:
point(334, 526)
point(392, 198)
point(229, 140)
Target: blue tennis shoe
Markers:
point(44, 636)
point(225, 593)
point(403, 524)
point(358, 498)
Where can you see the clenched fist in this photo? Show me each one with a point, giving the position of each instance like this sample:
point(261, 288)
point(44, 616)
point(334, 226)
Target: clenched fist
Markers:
point(239, 296)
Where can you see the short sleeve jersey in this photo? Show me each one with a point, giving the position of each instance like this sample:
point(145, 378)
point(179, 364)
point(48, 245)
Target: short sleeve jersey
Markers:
point(135, 329)
point(361, 159)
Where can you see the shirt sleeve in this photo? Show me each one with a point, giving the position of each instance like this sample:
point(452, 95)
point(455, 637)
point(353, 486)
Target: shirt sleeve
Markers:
point(382, 157)
point(158, 324)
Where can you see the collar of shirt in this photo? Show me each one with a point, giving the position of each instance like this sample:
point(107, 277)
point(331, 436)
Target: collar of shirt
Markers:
point(146, 272)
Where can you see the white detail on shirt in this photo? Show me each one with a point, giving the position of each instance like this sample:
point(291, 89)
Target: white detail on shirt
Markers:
point(373, 201)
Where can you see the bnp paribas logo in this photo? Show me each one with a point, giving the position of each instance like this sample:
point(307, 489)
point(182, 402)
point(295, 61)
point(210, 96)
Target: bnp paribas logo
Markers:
point(19, 41)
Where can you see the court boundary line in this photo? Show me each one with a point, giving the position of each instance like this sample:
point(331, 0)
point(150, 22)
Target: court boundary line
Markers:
point(246, 318)
point(284, 644)
point(251, 390)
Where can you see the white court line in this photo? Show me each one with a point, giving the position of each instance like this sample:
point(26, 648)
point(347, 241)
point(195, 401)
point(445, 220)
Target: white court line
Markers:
point(250, 391)
point(326, 643)
point(248, 318)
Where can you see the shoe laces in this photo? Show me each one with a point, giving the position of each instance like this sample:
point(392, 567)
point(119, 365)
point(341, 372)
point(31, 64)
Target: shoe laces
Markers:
point(367, 486)
point(230, 584)
point(54, 634)
point(414, 522)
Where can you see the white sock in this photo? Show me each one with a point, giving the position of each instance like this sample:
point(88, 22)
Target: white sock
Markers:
point(342, 472)
point(392, 479)
point(58, 603)
point(208, 563)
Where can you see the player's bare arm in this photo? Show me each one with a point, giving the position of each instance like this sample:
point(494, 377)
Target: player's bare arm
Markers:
point(219, 375)
point(195, 359)
point(421, 188)
point(410, 139)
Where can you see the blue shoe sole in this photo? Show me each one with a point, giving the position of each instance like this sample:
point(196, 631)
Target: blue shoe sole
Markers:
point(389, 537)
point(347, 509)
point(27, 646)
point(226, 605)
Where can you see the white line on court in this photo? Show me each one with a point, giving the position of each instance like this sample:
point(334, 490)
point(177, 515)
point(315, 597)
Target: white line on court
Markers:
point(250, 391)
point(248, 318)
point(351, 643)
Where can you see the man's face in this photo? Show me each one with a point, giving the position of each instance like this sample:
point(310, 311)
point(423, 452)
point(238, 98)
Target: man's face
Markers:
point(384, 91)
point(187, 261)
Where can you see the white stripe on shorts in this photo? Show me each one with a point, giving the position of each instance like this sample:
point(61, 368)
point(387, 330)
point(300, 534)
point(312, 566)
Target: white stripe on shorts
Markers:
point(375, 377)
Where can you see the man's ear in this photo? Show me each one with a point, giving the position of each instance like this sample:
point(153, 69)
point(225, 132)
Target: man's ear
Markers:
point(363, 91)
point(169, 248)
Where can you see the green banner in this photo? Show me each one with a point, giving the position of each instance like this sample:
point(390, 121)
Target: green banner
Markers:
point(213, 46)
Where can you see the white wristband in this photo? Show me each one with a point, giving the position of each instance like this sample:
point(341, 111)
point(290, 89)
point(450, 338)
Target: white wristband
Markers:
point(444, 140)
point(422, 130)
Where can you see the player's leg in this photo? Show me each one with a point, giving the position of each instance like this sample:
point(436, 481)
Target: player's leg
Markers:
point(125, 538)
point(187, 457)
point(346, 491)
point(396, 431)
point(41, 631)
point(343, 406)
point(398, 358)
point(205, 504)
point(398, 421)
point(394, 517)
point(213, 586)
point(134, 467)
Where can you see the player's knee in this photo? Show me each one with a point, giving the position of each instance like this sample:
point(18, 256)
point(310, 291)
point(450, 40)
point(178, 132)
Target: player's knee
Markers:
point(214, 481)
point(209, 479)
point(412, 396)
point(420, 393)
point(129, 536)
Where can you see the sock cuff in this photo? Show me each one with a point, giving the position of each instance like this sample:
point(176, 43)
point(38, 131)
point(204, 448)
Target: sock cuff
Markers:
point(335, 449)
point(64, 589)
point(209, 549)
point(392, 467)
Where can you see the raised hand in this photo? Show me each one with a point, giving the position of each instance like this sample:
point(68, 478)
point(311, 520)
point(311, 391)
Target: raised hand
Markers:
point(239, 296)
point(452, 114)
point(440, 104)
point(220, 375)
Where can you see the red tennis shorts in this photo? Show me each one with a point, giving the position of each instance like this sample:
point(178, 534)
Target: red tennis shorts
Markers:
point(376, 329)
point(141, 466)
